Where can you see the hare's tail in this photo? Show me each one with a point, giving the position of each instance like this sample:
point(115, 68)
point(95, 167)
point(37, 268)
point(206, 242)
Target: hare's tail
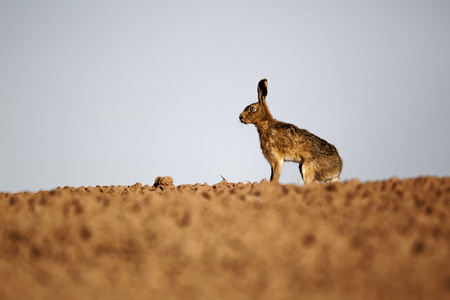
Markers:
point(337, 179)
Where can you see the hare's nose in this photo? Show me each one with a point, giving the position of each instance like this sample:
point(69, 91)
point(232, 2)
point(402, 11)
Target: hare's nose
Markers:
point(241, 117)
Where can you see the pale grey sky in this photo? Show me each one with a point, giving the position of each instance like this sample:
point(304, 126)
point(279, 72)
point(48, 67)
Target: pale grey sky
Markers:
point(119, 92)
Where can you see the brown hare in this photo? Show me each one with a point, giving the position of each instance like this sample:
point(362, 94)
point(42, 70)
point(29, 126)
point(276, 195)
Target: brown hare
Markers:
point(318, 159)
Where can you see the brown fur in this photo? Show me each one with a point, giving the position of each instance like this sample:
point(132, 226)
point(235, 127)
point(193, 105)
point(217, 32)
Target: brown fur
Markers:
point(318, 159)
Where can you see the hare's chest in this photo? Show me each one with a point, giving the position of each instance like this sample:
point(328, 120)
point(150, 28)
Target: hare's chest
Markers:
point(278, 144)
point(270, 144)
point(268, 138)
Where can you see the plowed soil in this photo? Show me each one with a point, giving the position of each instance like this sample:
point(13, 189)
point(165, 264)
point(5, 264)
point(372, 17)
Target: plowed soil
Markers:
point(375, 240)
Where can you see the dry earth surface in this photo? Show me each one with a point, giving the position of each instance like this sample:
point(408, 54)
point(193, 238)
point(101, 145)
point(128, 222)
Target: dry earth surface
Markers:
point(375, 240)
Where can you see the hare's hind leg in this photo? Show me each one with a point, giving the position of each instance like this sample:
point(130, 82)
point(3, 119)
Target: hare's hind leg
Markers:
point(308, 173)
point(301, 171)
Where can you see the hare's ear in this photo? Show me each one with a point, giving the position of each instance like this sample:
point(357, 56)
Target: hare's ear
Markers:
point(262, 90)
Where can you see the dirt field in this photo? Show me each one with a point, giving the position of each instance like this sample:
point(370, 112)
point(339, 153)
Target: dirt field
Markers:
point(377, 240)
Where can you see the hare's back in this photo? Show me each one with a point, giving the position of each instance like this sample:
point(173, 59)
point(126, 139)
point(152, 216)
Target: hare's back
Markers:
point(306, 140)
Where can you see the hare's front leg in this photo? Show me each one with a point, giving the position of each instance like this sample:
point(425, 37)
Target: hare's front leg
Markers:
point(276, 170)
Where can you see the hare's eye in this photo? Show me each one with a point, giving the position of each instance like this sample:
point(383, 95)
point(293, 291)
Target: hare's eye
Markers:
point(252, 108)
